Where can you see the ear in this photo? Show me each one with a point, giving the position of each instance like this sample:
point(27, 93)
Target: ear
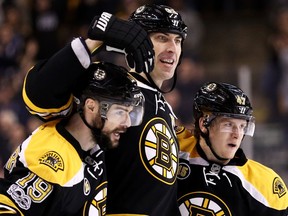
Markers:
point(201, 125)
point(91, 104)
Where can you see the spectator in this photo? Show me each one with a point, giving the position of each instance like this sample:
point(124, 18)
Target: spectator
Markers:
point(46, 24)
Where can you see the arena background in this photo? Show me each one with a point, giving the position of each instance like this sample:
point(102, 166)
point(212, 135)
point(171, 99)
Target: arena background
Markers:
point(238, 41)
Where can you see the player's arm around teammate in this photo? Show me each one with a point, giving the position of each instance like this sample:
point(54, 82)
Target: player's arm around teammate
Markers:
point(49, 86)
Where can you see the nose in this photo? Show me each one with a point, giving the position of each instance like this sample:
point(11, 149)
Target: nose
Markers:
point(127, 121)
point(171, 46)
point(236, 132)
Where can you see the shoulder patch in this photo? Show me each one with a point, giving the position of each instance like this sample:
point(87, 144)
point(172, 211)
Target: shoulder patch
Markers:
point(279, 187)
point(47, 154)
point(53, 160)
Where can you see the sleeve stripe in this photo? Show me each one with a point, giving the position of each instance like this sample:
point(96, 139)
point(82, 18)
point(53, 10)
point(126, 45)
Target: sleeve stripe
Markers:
point(81, 52)
point(46, 113)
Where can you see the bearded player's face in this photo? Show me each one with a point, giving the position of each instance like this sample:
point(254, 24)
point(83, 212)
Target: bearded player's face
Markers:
point(117, 122)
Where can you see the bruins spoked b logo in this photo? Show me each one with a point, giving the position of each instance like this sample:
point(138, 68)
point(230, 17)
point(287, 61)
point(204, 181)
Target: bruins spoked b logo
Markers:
point(97, 206)
point(159, 151)
point(202, 203)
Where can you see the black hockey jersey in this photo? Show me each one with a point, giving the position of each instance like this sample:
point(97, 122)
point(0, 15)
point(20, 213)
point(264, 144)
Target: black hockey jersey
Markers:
point(241, 188)
point(142, 169)
point(49, 174)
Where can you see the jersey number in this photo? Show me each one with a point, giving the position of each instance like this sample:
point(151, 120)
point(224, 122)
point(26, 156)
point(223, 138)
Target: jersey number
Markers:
point(29, 188)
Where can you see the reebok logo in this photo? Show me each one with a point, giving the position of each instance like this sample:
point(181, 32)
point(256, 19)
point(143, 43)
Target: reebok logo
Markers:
point(103, 21)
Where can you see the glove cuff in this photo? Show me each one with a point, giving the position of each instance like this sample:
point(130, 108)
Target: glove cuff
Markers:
point(81, 51)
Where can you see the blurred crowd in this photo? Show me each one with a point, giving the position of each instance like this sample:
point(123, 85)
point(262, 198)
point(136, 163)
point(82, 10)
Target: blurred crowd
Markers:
point(275, 74)
point(31, 30)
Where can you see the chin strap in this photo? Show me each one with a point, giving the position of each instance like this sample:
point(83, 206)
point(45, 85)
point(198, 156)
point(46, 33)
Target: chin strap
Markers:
point(207, 140)
point(160, 90)
point(97, 132)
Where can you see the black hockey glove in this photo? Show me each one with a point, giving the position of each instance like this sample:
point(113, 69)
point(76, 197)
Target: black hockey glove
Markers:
point(124, 37)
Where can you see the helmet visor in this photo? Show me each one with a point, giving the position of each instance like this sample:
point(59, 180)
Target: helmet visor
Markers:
point(136, 115)
point(234, 123)
point(123, 112)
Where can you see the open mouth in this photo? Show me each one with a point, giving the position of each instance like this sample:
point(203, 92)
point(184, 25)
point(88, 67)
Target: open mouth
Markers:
point(232, 145)
point(116, 134)
point(167, 61)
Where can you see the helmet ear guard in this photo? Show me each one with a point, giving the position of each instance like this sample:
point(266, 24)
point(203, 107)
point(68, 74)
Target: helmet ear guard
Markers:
point(207, 120)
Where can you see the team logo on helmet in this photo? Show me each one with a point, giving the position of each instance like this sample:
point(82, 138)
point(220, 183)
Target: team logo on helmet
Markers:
point(140, 9)
point(211, 87)
point(159, 151)
point(99, 74)
point(53, 160)
point(202, 203)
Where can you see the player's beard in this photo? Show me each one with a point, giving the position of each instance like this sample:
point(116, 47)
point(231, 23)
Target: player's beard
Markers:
point(103, 140)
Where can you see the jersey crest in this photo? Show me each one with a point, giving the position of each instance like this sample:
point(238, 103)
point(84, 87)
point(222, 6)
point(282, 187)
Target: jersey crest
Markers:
point(202, 203)
point(97, 206)
point(159, 151)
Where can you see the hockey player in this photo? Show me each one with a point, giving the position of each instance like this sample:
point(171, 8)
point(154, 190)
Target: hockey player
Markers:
point(60, 169)
point(142, 171)
point(215, 177)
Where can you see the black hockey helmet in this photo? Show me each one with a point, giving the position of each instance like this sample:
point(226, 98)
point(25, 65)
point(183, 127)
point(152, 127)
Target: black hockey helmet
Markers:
point(111, 84)
point(159, 18)
point(222, 99)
